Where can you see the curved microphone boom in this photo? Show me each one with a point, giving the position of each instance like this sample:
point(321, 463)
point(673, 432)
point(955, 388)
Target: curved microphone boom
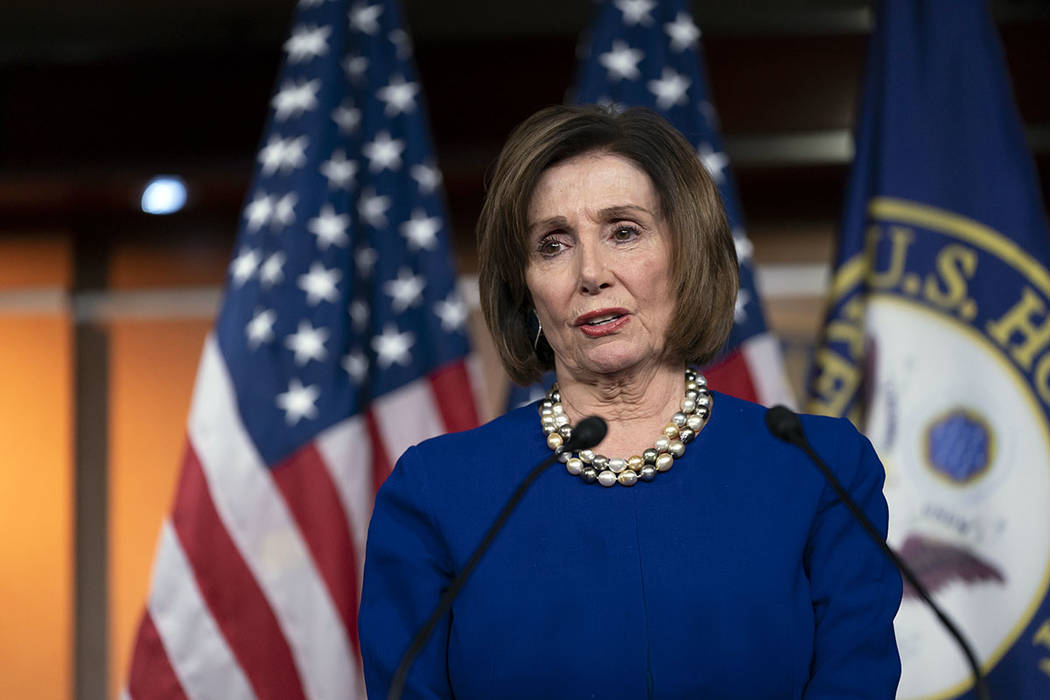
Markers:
point(587, 433)
point(785, 425)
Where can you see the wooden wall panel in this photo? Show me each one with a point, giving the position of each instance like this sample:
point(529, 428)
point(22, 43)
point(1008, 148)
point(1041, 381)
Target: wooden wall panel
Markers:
point(152, 366)
point(36, 507)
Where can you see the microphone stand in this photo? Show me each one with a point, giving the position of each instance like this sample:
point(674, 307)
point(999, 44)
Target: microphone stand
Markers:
point(588, 433)
point(785, 425)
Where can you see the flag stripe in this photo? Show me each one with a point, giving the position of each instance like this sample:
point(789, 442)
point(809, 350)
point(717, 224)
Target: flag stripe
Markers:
point(230, 591)
point(151, 673)
point(381, 462)
point(731, 376)
point(414, 399)
point(347, 453)
point(311, 495)
point(762, 353)
point(198, 652)
point(453, 395)
point(258, 521)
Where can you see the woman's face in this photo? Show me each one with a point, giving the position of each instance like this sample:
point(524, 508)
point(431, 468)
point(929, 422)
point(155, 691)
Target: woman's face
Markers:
point(599, 264)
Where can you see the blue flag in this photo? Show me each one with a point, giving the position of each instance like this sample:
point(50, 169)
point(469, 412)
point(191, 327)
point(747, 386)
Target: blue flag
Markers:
point(937, 342)
point(642, 53)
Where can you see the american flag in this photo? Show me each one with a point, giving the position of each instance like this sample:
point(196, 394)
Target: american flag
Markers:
point(340, 342)
point(645, 53)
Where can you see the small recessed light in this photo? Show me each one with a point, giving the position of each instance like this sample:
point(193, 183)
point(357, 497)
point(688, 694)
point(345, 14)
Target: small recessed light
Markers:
point(165, 194)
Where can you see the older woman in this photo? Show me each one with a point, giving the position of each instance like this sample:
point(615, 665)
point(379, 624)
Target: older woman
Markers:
point(690, 554)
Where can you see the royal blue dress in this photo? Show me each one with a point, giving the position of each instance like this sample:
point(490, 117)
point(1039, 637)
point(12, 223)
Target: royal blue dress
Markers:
point(736, 574)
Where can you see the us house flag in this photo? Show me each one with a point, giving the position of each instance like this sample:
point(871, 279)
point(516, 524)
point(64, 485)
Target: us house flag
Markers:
point(937, 343)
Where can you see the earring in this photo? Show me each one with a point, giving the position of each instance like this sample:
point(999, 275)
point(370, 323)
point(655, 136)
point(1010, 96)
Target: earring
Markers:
point(539, 331)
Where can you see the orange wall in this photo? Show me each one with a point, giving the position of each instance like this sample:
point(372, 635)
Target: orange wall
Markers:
point(36, 473)
point(152, 365)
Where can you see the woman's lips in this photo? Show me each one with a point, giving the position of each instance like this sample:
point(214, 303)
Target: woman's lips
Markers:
point(602, 322)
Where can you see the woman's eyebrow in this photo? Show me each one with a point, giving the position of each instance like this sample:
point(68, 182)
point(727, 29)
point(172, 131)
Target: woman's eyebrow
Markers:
point(552, 222)
point(623, 210)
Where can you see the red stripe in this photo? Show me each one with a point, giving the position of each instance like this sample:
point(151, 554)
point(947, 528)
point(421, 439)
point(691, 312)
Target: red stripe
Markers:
point(230, 590)
point(152, 675)
point(311, 495)
point(453, 395)
point(381, 464)
point(732, 376)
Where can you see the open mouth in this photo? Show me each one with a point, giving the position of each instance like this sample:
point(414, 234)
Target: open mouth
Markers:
point(602, 320)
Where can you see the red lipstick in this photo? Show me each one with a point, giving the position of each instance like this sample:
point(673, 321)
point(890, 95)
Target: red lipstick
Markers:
point(602, 321)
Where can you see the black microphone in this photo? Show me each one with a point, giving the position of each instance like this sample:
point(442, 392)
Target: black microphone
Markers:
point(785, 425)
point(587, 433)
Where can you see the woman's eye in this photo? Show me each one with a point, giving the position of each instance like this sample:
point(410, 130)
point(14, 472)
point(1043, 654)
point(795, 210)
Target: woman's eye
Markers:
point(623, 234)
point(550, 246)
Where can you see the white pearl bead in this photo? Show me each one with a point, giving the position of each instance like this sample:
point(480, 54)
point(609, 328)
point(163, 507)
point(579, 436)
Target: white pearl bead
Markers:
point(676, 448)
point(628, 478)
point(664, 462)
point(574, 466)
point(606, 478)
point(617, 465)
point(661, 444)
point(688, 405)
point(694, 422)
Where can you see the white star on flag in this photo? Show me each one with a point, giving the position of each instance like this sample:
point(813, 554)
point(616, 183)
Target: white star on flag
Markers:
point(739, 307)
point(258, 211)
point(402, 43)
point(452, 312)
point(283, 154)
point(744, 247)
point(347, 117)
point(329, 227)
point(421, 231)
point(272, 271)
point(293, 99)
point(365, 18)
point(683, 32)
point(320, 284)
point(260, 328)
point(298, 402)
point(243, 266)
point(427, 176)
point(622, 61)
point(372, 208)
point(383, 152)
point(391, 347)
point(339, 171)
point(669, 89)
point(355, 68)
point(398, 95)
point(307, 42)
point(636, 11)
point(359, 315)
point(356, 365)
point(405, 291)
point(714, 162)
point(284, 211)
point(308, 343)
point(365, 259)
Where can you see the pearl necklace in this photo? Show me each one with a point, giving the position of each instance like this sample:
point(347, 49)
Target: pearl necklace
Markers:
point(684, 425)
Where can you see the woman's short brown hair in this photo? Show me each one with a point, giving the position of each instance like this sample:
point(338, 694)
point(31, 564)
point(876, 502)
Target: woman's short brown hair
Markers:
point(703, 258)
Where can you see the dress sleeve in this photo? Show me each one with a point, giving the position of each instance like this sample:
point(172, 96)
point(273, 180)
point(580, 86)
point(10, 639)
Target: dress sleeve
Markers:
point(406, 569)
point(855, 589)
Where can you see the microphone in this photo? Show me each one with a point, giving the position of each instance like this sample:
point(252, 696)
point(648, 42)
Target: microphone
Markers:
point(587, 433)
point(785, 425)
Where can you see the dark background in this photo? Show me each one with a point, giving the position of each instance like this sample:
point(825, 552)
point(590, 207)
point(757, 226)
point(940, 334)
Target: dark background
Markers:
point(98, 95)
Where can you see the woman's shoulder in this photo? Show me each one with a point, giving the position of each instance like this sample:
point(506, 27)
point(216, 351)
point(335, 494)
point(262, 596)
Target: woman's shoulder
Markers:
point(744, 415)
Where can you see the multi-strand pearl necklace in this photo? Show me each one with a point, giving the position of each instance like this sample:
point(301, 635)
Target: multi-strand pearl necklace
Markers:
point(684, 425)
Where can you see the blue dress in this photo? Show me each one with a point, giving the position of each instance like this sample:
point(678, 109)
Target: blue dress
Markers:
point(736, 574)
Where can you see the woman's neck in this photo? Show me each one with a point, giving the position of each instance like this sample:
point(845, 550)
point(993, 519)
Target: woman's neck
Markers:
point(636, 405)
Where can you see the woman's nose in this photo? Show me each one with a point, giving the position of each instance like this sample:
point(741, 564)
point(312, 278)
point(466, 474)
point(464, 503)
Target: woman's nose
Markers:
point(595, 274)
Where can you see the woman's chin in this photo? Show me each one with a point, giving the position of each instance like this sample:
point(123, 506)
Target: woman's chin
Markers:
point(612, 360)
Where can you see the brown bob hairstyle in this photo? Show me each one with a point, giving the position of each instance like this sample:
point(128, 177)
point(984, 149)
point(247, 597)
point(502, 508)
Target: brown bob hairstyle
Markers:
point(703, 265)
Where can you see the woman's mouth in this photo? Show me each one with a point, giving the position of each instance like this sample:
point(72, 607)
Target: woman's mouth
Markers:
point(602, 322)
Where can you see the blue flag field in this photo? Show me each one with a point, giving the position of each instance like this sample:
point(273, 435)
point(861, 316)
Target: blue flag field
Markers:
point(937, 343)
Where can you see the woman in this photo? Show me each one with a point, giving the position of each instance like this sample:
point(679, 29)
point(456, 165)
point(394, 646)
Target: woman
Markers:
point(715, 563)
